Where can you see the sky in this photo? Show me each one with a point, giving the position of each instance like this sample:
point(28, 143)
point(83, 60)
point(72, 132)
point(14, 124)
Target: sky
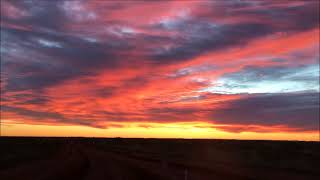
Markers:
point(162, 69)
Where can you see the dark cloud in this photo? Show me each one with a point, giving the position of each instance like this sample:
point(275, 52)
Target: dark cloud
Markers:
point(48, 53)
point(39, 14)
point(200, 35)
point(26, 99)
point(104, 92)
point(34, 114)
point(32, 65)
point(174, 114)
point(296, 110)
point(205, 37)
point(299, 16)
point(42, 117)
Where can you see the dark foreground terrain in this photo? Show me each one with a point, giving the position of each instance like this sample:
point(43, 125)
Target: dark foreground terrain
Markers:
point(156, 159)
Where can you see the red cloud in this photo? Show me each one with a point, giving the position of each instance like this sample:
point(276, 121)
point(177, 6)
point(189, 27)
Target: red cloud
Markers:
point(148, 62)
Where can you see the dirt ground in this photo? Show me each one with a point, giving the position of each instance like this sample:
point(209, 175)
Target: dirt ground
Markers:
point(156, 159)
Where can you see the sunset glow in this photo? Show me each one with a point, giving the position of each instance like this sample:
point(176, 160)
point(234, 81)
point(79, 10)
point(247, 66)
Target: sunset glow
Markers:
point(160, 69)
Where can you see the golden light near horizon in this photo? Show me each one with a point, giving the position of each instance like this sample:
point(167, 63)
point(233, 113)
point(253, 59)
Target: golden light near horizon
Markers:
point(195, 130)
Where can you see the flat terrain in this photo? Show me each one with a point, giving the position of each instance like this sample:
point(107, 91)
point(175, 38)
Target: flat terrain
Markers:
point(156, 159)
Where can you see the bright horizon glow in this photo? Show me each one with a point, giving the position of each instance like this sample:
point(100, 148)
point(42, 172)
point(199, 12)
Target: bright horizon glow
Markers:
point(189, 130)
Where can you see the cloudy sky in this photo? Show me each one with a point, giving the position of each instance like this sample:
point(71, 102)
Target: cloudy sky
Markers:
point(194, 69)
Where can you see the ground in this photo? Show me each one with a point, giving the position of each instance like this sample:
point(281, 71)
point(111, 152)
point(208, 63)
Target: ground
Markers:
point(120, 159)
